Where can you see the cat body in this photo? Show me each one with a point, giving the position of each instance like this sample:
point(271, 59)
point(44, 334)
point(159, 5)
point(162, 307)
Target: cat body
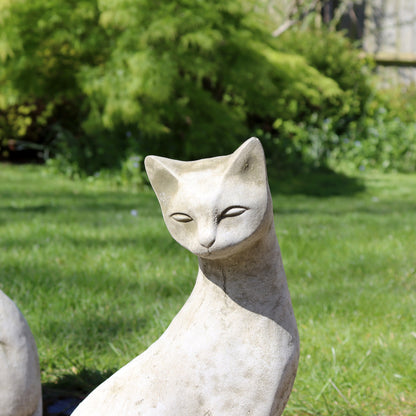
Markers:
point(233, 348)
point(20, 386)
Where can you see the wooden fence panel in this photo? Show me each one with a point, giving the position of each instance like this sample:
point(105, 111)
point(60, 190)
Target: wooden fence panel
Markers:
point(390, 36)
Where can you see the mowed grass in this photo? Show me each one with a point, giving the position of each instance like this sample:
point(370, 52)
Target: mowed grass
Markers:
point(99, 278)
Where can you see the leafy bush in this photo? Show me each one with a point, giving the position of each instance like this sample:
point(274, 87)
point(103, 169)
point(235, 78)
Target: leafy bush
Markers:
point(298, 147)
point(379, 142)
point(191, 79)
point(182, 79)
point(399, 102)
point(336, 57)
point(197, 77)
point(305, 138)
point(43, 47)
point(370, 129)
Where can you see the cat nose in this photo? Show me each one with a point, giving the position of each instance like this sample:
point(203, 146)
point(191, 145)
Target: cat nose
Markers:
point(207, 243)
point(206, 237)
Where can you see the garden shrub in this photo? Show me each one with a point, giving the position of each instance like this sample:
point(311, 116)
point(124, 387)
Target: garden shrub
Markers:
point(183, 79)
point(26, 126)
point(383, 139)
point(399, 102)
point(338, 58)
point(306, 139)
point(372, 128)
point(191, 78)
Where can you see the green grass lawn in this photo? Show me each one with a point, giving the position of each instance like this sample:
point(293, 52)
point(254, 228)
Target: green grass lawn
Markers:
point(99, 278)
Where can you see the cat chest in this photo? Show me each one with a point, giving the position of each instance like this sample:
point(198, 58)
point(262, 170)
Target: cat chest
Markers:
point(226, 344)
point(214, 359)
point(206, 371)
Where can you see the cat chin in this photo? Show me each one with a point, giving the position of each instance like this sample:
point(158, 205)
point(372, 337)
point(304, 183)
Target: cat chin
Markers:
point(215, 253)
point(209, 255)
point(205, 254)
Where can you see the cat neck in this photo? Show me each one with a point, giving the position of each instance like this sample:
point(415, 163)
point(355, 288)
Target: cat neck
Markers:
point(253, 278)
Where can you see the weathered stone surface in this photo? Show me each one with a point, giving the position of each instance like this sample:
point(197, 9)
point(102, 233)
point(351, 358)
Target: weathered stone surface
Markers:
point(233, 348)
point(20, 387)
point(389, 35)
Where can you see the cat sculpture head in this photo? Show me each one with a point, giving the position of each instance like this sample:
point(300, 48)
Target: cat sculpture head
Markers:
point(214, 207)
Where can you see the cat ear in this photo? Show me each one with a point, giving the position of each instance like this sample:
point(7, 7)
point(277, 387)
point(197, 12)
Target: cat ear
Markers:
point(248, 160)
point(162, 177)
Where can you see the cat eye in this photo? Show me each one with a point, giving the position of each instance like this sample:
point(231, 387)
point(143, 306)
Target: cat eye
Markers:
point(234, 211)
point(180, 217)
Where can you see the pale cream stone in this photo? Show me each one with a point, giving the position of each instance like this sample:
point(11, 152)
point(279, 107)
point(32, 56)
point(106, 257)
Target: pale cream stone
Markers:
point(233, 349)
point(20, 386)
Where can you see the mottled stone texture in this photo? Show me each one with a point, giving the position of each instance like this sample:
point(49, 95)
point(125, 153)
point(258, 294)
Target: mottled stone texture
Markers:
point(20, 387)
point(233, 349)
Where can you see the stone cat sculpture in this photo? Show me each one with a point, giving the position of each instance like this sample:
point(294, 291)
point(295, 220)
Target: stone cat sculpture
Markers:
point(20, 387)
point(233, 348)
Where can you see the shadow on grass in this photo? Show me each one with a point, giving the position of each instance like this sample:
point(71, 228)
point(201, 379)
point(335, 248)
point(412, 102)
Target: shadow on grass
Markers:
point(46, 203)
point(323, 183)
point(157, 243)
point(70, 389)
point(372, 209)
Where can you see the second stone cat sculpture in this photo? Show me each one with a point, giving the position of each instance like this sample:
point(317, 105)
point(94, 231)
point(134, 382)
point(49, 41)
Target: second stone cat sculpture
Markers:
point(20, 387)
point(233, 349)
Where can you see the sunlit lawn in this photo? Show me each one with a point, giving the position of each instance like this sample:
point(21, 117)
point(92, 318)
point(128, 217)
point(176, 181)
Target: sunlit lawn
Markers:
point(98, 278)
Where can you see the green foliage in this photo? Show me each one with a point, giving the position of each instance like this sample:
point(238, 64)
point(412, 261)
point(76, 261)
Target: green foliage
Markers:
point(188, 79)
point(309, 130)
point(43, 46)
point(191, 79)
point(399, 102)
point(384, 137)
point(194, 76)
point(27, 122)
point(379, 142)
point(369, 128)
point(336, 57)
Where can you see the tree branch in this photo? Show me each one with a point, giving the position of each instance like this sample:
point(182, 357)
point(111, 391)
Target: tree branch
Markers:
point(295, 10)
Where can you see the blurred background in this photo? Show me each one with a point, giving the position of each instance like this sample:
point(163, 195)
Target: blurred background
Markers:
point(90, 87)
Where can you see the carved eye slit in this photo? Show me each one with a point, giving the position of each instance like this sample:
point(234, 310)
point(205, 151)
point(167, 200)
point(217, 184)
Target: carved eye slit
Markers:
point(181, 217)
point(233, 211)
